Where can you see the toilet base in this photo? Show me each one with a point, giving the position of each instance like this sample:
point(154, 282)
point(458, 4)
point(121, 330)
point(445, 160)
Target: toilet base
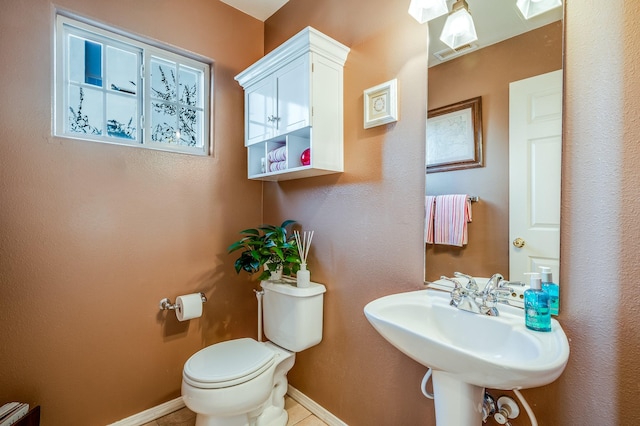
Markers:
point(273, 412)
point(204, 420)
point(272, 416)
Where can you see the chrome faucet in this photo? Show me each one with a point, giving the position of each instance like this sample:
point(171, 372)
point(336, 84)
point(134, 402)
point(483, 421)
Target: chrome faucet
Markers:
point(471, 299)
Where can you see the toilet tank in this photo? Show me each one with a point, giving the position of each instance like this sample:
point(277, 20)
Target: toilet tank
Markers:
point(292, 315)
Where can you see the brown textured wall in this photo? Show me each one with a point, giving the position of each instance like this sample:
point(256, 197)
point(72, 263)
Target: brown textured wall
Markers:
point(487, 73)
point(94, 235)
point(600, 248)
point(368, 220)
point(367, 239)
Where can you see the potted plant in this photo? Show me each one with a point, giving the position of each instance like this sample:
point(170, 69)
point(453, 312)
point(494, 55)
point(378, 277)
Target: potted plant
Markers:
point(272, 248)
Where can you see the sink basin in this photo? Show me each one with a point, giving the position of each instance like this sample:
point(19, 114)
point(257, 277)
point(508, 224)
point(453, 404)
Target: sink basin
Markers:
point(495, 352)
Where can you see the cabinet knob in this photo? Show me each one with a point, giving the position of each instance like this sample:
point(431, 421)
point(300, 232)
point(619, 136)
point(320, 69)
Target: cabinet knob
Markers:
point(272, 118)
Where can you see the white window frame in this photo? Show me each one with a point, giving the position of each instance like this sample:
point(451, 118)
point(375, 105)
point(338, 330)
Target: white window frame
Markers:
point(70, 25)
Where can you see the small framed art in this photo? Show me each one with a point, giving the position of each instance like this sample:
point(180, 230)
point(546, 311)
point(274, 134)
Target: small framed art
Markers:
point(381, 104)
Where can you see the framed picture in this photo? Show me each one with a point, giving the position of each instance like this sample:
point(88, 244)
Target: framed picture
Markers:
point(381, 104)
point(454, 136)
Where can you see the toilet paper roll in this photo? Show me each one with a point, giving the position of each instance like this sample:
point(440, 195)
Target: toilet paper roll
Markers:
point(188, 306)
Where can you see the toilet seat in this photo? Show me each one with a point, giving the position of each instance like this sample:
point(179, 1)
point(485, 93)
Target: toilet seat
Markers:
point(227, 364)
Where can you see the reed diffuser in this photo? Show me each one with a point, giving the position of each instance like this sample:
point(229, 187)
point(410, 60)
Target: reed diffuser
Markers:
point(303, 276)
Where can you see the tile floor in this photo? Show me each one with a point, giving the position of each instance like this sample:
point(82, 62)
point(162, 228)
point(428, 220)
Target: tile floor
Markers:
point(298, 416)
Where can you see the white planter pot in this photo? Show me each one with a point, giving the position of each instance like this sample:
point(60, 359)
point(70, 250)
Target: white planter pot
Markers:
point(275, 275)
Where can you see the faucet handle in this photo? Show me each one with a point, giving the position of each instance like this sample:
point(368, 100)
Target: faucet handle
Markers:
point(457, 293)
point(495, 295)
point(471, 285)
point(456, 283)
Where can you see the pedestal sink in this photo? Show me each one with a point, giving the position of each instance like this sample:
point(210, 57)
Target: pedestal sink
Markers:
point(468, 352)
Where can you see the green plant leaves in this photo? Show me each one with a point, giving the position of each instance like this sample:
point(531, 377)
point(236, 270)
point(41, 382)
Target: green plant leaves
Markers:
point(287, 223)
point(267, 243)
point(250, 231)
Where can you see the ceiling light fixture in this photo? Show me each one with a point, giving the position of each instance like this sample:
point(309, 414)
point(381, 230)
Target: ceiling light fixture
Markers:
point(532, 8)
point(426, 10)
point(459, 29)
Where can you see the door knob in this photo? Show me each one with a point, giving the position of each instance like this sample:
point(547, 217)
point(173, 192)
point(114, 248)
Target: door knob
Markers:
point(518, 242)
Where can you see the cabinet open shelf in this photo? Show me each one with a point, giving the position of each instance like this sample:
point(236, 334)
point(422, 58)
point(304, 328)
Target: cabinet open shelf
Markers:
point(294, 144)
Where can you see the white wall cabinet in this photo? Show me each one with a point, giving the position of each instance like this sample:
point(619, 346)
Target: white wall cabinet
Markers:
point(294, 101)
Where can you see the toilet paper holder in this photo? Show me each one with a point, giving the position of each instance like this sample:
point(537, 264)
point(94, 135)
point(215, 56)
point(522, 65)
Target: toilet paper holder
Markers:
point(165, 304)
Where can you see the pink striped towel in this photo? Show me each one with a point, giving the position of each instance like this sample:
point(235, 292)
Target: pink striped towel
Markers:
point(452, 213)
point(429, 203)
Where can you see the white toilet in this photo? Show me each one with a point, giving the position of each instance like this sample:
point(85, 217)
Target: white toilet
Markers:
point(242, 382)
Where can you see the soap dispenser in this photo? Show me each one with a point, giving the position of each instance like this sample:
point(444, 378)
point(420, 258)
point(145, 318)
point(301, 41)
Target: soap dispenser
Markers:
point(536, 306)
point(552, 289)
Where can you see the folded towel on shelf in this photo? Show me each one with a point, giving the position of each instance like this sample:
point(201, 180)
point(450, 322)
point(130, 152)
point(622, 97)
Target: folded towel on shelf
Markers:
point(277, 166)
point(452, 213)
point(429, 210)
point(278, 154)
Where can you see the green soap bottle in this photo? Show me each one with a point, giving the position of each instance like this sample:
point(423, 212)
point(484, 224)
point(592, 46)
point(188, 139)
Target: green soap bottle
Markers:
point(552, 289)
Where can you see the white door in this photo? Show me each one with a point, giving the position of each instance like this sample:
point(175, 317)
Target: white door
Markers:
point(535, 149)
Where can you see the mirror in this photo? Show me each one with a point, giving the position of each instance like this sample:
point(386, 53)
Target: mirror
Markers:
point(485, 69)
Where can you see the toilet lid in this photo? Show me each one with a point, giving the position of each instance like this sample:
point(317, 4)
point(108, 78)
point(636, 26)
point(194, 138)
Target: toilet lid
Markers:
point(227, 363)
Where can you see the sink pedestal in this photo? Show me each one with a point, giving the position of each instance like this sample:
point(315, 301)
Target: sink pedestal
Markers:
point(457, 403)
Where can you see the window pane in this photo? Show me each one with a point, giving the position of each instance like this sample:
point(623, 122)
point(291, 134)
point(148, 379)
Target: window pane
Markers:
point(190, 91)
point(190, 124)
point(76, 59)
point(93, 63)
point(122, 113)
point(163, 80)
point(164, 126)
point(122, 70)
point(85, 110)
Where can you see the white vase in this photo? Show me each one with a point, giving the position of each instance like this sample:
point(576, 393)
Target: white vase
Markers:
point(303, 276)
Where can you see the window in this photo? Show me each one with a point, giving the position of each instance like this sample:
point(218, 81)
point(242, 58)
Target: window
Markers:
point(117, 89)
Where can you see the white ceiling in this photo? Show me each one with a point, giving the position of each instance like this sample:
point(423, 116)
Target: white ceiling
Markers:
point(259, 9)
point(495, 20)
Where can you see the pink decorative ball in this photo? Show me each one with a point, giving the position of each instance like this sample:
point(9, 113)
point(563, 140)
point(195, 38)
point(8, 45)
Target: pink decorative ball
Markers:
point(305, 157)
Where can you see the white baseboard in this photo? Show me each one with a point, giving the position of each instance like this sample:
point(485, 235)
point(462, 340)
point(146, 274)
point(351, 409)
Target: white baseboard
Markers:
point(315, 408)
point(152, 413)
